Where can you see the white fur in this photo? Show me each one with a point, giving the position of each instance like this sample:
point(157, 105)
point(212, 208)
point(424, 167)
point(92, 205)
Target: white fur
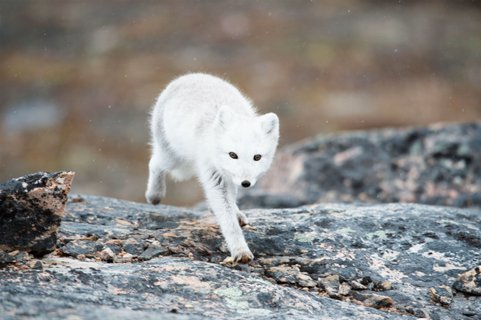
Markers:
point(197, 121)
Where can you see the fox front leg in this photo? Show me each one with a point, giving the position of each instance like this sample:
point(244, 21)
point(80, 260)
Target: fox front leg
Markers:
point(217, 191)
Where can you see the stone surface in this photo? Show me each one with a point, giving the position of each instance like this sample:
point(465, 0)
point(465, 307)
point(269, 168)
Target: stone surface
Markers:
point(439, 164)
point(161, 286)
point(470, 281)
point(442, 295)
point(319, 261)
point(31, 208)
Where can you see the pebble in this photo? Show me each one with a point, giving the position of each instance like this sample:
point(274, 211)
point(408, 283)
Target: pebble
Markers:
point(36, 264)
point(153, 251)
point(355, 285)
point(5, 258)
point(330, 285)
point(374, 300)
point(133, 247)
point(441, 294)
point(107, 255)
point(382, 285)
point(469, 282)
point(344, 289)
point(126, 257)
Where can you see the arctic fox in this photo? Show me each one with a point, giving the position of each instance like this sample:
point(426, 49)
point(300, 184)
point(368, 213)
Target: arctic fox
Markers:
point(203, 126)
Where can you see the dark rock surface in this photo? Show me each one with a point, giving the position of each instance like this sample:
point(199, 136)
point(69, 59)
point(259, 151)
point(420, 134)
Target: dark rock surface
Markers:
point(439, 164)
point(318, 261)
point(31, 208)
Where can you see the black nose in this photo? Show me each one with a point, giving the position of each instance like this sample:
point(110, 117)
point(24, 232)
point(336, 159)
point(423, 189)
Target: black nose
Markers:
point(246, 184)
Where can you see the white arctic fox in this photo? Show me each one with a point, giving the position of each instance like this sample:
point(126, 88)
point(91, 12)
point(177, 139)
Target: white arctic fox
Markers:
point(203, 126)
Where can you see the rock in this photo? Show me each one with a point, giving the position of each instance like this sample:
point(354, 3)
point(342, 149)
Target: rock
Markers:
point(382, 285)
point(107, 255)
point(133, 247)
point(152, 252)
point(257, 198)
point(152, 289)
point(290, 275)
point(344, 289)
point(330, 284)
point(115, 246)
point(357, 285)
point(5, 258)
point(31, 208)
point(37, 265)
point(469, 282)
point(402, 250)
point(442, 294)
point(439, 164)
point(374, 300)
point(87, 248)
point(124, 258)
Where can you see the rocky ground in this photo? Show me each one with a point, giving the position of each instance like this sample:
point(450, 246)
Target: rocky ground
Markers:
point(118, 259)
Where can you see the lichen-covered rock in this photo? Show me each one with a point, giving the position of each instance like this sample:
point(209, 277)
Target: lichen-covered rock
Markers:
point(31, 208)
point(469, 282)
point(381, 256)
point(164, 286)
point(439, 164)
point(442, 295)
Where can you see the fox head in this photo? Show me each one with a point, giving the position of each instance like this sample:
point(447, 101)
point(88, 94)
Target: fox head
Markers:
point(245, 146)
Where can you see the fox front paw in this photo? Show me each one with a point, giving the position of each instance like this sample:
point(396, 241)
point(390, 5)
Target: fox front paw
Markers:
point(244, 256)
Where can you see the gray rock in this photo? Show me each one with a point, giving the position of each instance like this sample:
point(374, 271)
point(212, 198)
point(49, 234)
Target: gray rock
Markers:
point(171, 286)
point(290, 275)
point(81, 247)
point(31, 209)
point(330, 285)
point(133, 247)
point(439, 164)
point(442, 295)
point(152, 252)
point(469, 281)
point(402, 250)
point(374, 300)
point(5, 258)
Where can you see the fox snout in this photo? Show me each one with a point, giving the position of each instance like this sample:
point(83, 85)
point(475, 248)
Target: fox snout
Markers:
point(246, 183)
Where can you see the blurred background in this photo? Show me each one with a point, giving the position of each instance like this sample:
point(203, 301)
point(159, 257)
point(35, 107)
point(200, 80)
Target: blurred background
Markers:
point(78, 78)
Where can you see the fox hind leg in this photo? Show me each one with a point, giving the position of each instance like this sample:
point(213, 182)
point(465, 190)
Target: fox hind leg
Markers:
point(159, 165)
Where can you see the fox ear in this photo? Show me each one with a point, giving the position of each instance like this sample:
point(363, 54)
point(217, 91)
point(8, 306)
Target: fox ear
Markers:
point(224, 116)
point(270, 123)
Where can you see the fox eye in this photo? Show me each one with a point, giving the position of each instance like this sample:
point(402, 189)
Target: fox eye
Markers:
point(233, 155)
point(257, 157)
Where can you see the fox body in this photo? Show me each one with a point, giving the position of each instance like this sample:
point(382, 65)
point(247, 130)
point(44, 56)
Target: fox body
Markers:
point(203, 126)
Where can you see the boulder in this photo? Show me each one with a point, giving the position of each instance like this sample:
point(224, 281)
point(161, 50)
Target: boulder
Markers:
point(439, 164)
point(323, 261)
point(31, 208)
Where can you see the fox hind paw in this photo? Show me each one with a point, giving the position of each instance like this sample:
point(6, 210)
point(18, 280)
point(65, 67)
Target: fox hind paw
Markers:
point(153, 198)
